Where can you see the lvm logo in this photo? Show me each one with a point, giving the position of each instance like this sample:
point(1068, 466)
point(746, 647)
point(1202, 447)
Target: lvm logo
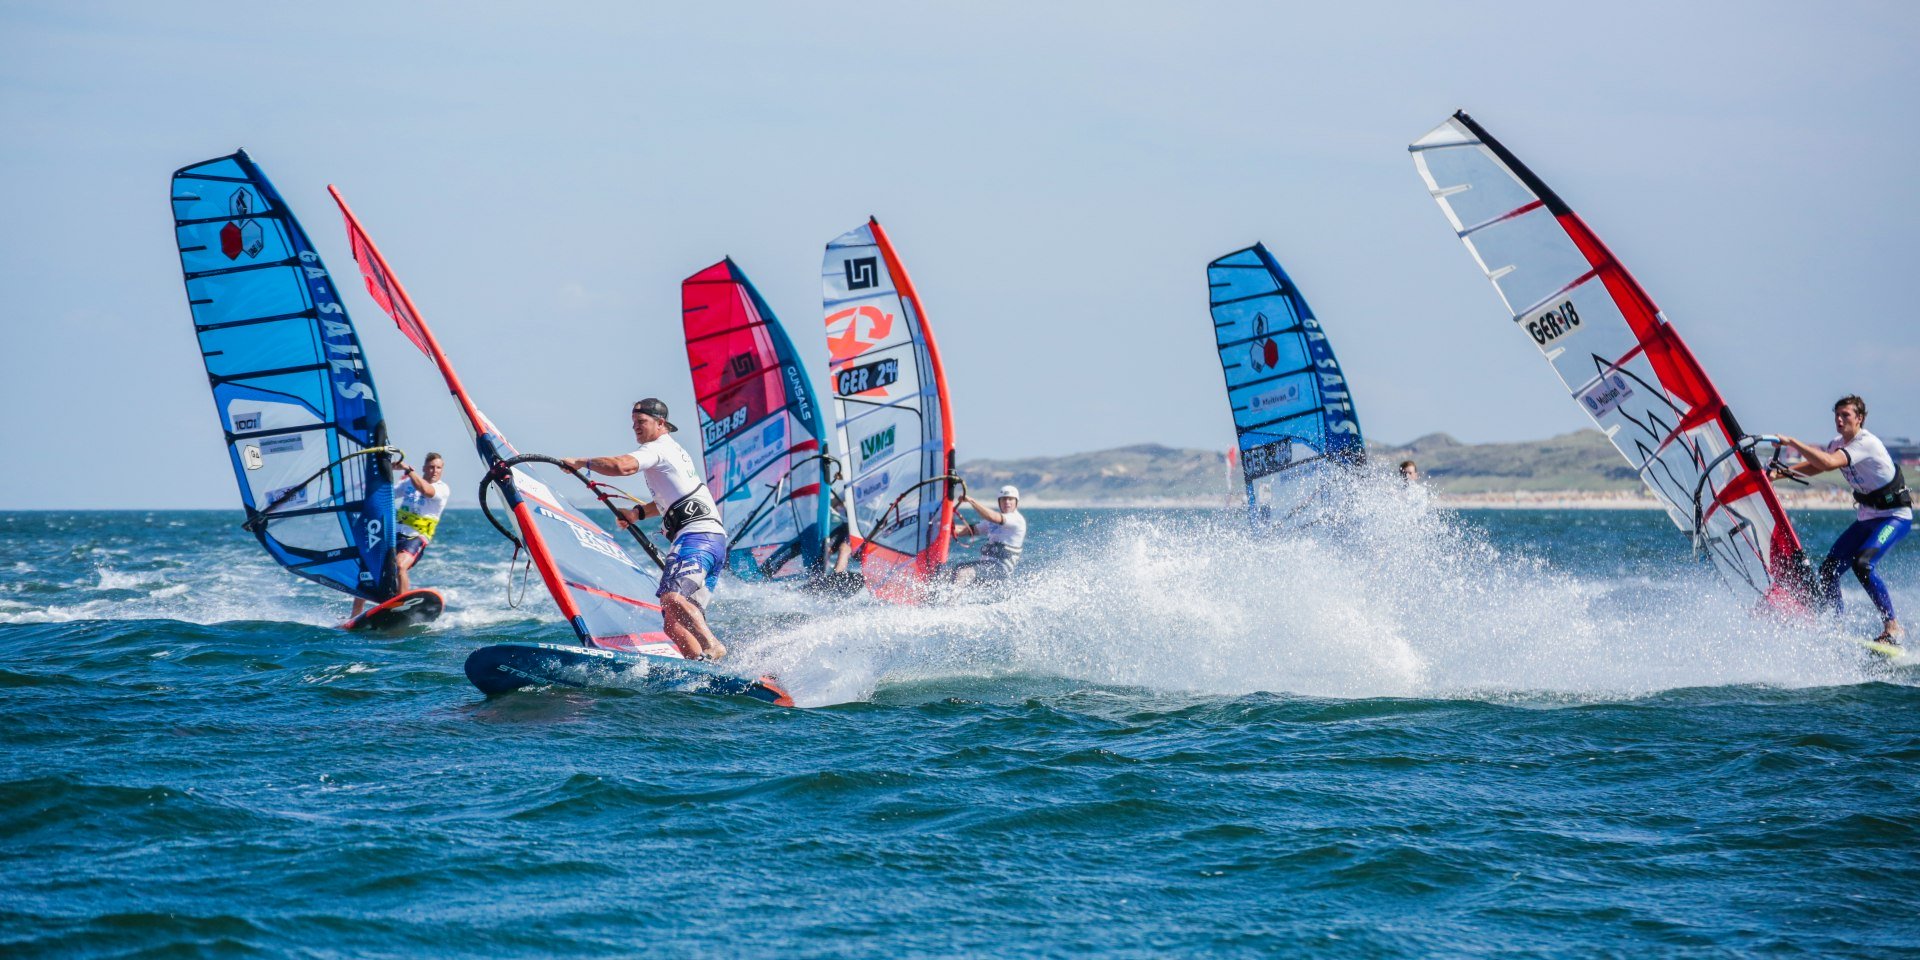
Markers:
point(876, 444)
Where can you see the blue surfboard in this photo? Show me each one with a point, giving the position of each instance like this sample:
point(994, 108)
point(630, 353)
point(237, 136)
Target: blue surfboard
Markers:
point(506, 667)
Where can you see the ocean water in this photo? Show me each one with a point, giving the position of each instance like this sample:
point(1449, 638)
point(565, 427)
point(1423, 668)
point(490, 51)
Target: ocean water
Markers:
point(1525, 733)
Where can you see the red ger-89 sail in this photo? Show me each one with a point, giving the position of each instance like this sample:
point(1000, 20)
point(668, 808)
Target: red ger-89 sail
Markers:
point(1616, 353)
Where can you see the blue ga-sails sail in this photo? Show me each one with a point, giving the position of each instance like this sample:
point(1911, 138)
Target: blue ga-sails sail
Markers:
point(297, 404)
point(1616, 355)
point(1291, 407)
point(761, 429)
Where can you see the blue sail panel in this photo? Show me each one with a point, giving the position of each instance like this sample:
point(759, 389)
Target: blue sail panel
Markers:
point(1292, 412)
point(297, 405)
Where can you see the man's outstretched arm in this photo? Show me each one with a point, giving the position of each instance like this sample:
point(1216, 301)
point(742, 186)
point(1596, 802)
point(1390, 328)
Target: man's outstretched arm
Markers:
point(623, 465)
point(1818, 460)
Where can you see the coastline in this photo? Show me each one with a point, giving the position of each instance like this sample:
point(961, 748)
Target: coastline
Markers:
point(1505, 500)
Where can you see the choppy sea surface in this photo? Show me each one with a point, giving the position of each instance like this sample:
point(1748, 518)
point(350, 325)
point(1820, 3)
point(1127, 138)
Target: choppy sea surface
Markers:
point(1526, 733)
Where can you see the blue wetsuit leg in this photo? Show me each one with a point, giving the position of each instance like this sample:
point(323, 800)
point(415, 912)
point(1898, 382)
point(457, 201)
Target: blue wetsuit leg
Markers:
point(1861, 546)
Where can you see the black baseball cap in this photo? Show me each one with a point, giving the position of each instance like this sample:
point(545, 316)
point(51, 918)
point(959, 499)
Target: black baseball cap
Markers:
point(654, 408)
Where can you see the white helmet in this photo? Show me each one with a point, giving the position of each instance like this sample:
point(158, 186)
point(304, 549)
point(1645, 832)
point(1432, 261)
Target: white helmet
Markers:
point(1010, 491)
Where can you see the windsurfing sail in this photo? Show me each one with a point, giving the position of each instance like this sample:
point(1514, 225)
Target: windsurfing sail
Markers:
point(297, 405)
point(891, 413)
point(1291, 407)
point(598, 587)
point(1617, 355)
point(762, 431)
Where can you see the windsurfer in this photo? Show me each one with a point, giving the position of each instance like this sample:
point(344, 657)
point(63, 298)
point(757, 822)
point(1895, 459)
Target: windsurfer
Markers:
point(1413, 491)
point(1006, 537)
point(834, 577)
point(419, 498)
point(1885, 512)
point(690, 521)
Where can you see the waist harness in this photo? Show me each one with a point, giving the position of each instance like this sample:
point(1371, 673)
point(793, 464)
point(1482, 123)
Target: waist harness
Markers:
point(1000, 551)
point(1893, 496)
point(423, 526)
point(685, 510)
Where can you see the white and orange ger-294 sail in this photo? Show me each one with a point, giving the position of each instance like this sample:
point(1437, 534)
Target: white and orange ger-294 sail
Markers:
point(1619, 358)
point(894, 423)
point(600, 590)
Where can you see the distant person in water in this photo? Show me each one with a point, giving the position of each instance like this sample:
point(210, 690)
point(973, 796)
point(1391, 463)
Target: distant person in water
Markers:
point(1416, 491)
point(419, 497)
point(1006, 537)
point(831, 575)
point(689, 519)
point(1885, 511)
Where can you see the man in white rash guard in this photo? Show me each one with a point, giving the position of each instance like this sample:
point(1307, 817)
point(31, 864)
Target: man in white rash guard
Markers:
point(1885, 511)
point(419, 497)
point(690, 521)
point(1006, 536)
point(1415, 491)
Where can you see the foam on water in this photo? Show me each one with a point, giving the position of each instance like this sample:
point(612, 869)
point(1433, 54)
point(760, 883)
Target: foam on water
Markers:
point(1381, 598)
point(1385, 599)
point(221, 576)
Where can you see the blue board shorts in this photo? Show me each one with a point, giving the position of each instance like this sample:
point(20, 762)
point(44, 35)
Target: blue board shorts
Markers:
point(693, 567)
point(411, 546)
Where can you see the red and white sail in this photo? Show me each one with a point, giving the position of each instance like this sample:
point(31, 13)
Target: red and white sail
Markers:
point(894, 423)
point(1619, 358)
point(604, 594)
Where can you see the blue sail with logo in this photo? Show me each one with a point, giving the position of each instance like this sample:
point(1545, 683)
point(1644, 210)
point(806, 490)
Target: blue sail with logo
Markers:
point(1292, 411)
point(761, 430)
point(297, 405)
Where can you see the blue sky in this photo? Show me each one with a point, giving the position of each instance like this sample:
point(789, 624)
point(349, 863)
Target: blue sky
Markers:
point(1056, 177)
